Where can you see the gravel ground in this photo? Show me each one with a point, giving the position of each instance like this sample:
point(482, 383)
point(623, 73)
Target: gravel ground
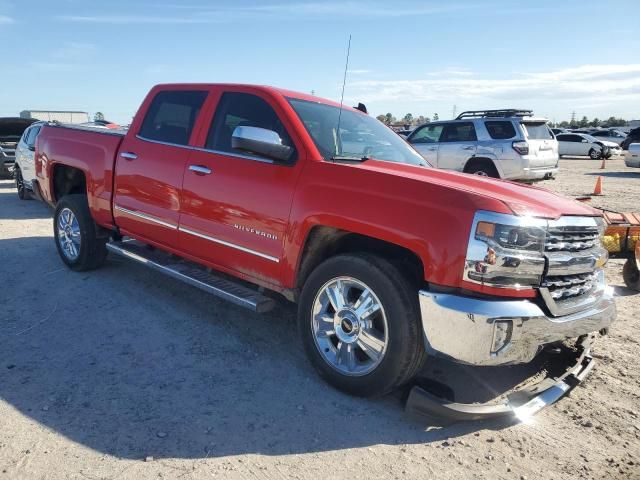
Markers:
point(120, 374)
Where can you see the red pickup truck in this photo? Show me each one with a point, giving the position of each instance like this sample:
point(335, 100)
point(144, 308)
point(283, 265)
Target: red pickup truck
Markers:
point(248, 190)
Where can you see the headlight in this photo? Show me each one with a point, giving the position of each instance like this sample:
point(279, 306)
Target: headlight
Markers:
point(506, 251)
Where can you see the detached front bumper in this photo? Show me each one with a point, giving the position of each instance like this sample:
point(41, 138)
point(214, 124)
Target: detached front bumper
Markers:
point(501, 332)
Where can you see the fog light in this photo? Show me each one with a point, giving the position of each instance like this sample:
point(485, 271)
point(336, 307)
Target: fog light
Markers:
point(502, 331)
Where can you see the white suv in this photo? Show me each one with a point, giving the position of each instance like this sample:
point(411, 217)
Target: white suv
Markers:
point(508, 144)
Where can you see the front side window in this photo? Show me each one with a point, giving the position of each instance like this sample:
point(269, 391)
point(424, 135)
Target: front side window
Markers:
point(31, 137)
point(172, 115)
point(237, 109)
point(359, 136)
point(459, 132)
point(427, 134)
point(500, 130)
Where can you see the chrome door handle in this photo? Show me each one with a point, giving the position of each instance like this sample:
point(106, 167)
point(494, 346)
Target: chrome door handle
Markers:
point(128, 155)
point(200, 170)
point(469, 147)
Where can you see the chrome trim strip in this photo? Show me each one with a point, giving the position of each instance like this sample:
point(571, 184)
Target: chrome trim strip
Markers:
point(228, 244)
point(145, 217)
point(255, 158)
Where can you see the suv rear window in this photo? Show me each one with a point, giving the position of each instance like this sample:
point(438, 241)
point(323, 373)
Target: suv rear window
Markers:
point(500, 130)
point(537, 131)
point(172, 115)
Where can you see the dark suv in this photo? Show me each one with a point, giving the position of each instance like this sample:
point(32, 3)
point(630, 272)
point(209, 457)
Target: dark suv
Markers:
point(11, 129)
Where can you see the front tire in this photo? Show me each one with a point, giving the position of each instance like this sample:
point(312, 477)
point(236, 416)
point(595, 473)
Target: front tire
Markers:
point(76, 234)
point(359, 322)
point(594, 155)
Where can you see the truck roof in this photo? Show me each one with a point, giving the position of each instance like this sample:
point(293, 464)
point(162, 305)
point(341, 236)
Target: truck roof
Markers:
point(265, 88)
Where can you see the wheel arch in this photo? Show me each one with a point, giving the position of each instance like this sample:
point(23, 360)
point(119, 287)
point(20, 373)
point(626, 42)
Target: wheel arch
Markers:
point(483, 160)
point(323, 242)
point(67, 180)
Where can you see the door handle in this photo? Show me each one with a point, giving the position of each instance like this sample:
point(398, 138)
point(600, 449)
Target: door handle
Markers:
point(432, 149)
point(128, 155)
point(200, 169)
point(469, 147)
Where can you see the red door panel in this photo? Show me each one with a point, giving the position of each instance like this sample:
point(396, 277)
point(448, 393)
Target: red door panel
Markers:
point(147, 189)
point(237, 215)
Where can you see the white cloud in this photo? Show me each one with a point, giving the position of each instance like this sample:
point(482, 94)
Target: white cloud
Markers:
point(613, 82)
point(74, 51)
point(6, 20)
point(204, 15)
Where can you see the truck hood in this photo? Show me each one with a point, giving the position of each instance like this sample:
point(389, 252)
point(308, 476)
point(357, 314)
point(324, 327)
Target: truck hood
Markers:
point(524, 200)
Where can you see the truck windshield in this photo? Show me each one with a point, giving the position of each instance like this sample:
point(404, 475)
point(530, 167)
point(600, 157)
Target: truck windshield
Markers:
point(361, 136)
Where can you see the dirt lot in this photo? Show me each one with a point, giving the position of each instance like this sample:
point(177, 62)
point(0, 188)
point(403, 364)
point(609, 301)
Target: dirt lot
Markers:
point(120, 374)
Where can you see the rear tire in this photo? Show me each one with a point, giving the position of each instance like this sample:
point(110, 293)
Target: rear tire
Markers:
point(79, 241)
point(482, 168)
point(23, 193)
point(370, 354)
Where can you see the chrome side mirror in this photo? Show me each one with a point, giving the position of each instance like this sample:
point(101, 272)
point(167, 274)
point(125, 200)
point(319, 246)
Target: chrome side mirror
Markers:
point(260, 141)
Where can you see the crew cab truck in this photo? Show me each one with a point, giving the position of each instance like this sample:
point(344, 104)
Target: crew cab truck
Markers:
point(246, 190)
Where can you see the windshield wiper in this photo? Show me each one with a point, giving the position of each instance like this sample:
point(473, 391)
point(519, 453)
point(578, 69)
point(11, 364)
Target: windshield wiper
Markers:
point(346, 158)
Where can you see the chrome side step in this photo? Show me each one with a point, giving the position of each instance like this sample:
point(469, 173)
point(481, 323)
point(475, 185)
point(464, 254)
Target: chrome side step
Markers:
point(193, 274)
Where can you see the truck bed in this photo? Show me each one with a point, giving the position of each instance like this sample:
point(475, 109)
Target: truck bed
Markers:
point(89, 149)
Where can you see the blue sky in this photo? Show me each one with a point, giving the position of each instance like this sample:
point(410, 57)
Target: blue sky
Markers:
point(420, 57)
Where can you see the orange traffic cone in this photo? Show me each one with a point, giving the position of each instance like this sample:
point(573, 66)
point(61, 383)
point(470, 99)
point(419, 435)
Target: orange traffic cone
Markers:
point(598, 189)
point(602, 164)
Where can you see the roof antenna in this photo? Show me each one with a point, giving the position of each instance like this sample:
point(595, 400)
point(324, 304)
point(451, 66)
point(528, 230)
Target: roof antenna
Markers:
point(344, 81)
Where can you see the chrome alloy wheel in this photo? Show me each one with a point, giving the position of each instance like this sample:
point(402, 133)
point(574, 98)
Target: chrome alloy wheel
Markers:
point(69, 234)
point(349, 326)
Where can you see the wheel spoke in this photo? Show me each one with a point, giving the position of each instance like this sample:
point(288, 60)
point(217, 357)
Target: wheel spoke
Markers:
point(346, 356)
point(371, 344)
point(366, 305)
point(336, 295)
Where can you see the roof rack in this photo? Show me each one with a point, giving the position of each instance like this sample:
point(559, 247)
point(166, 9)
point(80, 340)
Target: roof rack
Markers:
point(514, 112)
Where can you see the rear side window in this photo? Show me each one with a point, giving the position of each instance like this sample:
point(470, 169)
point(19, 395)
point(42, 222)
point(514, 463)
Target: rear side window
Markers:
point(427, 134)
point(500, 130)
point(172, 115)
point(537, 131)
point(243, 110)
point(459, 132)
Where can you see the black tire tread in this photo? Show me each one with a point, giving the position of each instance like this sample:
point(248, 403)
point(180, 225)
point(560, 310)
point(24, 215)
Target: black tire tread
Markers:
point(93, 250)
point(406, 291)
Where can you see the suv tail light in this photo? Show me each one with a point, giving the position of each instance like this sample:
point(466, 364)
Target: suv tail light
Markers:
point(521, 147)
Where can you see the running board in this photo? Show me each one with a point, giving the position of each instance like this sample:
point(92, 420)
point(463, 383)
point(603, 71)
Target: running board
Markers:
point(193, 274)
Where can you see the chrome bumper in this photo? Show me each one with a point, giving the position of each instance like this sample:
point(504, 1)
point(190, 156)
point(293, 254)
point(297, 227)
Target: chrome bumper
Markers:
point(498, 332)
point(540, 173)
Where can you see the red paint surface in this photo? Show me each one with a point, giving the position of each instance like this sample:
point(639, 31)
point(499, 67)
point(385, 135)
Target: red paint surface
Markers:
point(425, 210)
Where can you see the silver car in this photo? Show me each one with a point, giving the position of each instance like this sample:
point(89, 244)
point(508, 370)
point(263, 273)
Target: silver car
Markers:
point(25, 168)
point(508, 144)
point(632, 155)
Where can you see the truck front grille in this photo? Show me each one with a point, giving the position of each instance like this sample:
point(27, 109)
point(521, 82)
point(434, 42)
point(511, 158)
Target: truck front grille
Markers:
point(572, 251)
point(569, 286)
point(571, 239)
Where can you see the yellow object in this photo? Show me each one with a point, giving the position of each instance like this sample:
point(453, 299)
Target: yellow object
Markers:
point(612, 243)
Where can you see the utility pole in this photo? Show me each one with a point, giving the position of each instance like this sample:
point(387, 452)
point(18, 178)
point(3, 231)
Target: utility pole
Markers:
point(313, 92)
point(573, 118)
point(455, 108)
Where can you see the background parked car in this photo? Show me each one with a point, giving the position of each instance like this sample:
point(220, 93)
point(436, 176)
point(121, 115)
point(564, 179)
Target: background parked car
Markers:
point(581, 144)
point(610, 135)
point(632, 155)
point(25, 168)
point(632, 137)
point(510, 144)
point(11, 129)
